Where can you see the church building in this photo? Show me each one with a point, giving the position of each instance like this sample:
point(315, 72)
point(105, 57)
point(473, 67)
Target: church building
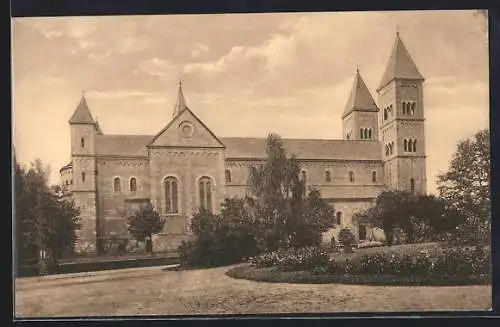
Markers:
point(185, 166)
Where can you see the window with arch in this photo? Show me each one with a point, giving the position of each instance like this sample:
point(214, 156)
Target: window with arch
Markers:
point(412, 185)
point(361, 133)
point(328, 176)
point(205, 189)
point(303, 176)
point(133, 184)
point(171, 186)
point(351, 176)
point(228, 176)
point(83, 177)
point(117, 187)
point(414, 146)
point(405, 144)
point(338, 218)
point(413, 106)
point(386, 114)
point(71, 181)
point(369, 133)
point(374, 176)
point(82, 142)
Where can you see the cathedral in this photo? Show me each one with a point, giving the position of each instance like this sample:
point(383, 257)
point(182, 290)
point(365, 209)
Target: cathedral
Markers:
point(185, 166)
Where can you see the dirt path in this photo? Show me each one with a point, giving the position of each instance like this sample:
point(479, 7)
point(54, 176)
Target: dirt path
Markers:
point(153, 291)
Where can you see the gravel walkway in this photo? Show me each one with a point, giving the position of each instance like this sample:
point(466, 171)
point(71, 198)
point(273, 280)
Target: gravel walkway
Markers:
point(154, 291)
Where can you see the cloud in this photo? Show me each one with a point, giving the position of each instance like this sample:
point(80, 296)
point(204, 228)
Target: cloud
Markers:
point(154, 67)
point(115, 94)
point(198, 50)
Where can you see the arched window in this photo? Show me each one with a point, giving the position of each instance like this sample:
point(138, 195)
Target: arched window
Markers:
point(406, 145)
point(412, 185)
point(71, 181)
point(83, 177)
point(374, 176)
point(361, 133)
point(370, 133)
point(328, 176)
point(303, 176)
point(404, 107)
point(387, 149)
point(414, 146)
point(82, 142)
point(351, 176)
point(228, 176)
point(413, 105)
point(133, 184)
point(338, 218)
point(205, 189)
point(362, 232)
point(171, 195)
point(385, 114)
point(117, 187)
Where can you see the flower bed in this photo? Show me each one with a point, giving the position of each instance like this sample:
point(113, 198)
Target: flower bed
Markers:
point(446, 266)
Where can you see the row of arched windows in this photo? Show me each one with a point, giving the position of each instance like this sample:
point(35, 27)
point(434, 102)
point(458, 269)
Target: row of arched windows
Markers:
point(328, 176)
point(365, 133)
point(388, 112)
point(389, 148)
point(171, 188)
point(409, 107)
point(68, 182)
point(117, 186)
point(410, 145)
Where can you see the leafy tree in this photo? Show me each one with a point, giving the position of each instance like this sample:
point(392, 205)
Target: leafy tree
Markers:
point(465, 187)
point(144, 223)
point(420, 217)
point(285, 215)
point(44, 220)
point(347, 239)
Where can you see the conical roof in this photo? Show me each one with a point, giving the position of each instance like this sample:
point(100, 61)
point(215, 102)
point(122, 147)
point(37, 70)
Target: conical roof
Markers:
point(82, 114)
point(180, 104)
point(360, 97)
point(400, 65)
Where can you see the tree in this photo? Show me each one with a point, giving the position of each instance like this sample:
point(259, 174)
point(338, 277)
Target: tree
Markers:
point(465, 187)
point(285, 215)
point(144, 223)
point(44, 221)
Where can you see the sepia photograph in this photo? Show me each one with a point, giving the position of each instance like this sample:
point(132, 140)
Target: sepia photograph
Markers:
point(251, 164)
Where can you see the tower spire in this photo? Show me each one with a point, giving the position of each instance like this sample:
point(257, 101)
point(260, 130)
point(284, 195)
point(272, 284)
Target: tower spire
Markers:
point(400, 65)
point(82, 113)
point(360, 98)
point(180, 104)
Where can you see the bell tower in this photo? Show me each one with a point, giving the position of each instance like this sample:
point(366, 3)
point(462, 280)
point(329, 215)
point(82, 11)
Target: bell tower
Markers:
point(401, 121)
point(359, 120)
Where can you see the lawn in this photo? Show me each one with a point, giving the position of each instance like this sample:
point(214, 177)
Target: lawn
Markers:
point(154, 291)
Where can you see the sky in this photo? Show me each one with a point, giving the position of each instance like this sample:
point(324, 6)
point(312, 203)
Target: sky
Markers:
point(243, 74)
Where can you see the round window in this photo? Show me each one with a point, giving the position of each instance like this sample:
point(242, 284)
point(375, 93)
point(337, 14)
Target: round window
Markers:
point(187, 129)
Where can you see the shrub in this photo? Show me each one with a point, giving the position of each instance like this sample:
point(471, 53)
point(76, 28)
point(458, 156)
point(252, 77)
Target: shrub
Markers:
point(347, 239)
point(293, 259)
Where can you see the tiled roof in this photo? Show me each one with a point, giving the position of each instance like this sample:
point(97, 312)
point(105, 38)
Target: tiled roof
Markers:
point(400, 65)
point(68, 166)
point(242, 147)
point(82, 114)
point(360, 97)
point(246, 148)
point(122, 145)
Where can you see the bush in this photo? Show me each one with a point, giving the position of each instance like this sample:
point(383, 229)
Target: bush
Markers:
point(347, 239)
point(293, 259)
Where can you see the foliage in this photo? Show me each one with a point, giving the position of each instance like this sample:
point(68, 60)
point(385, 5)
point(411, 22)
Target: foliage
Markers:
point(223, 239)
point(453, 265)
point(44, 220)
point(346, 238)
point(115, 245)
point(421, 217)
point(285, 214)
point(144, 223)
point(465, 188)
point(293, 259)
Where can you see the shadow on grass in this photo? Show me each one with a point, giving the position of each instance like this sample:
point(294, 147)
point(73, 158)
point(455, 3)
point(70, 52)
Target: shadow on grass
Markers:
point(273, 275)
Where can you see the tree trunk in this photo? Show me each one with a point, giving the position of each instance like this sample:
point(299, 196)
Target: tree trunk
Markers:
point(149, 244)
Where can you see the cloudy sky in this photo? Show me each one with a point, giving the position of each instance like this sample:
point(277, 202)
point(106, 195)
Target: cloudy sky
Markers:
point(244, 75)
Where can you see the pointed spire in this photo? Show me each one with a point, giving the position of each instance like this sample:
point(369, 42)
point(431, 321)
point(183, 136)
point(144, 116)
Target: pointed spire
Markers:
point(360, 98)
point(82, 113)
point(400, 64)
point(180, 105)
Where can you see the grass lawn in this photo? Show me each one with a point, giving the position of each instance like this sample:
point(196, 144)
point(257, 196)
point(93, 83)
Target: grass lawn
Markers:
point(154, 291)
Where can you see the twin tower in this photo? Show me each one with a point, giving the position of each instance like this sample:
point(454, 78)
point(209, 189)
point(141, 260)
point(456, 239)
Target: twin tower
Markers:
point(397, 123)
